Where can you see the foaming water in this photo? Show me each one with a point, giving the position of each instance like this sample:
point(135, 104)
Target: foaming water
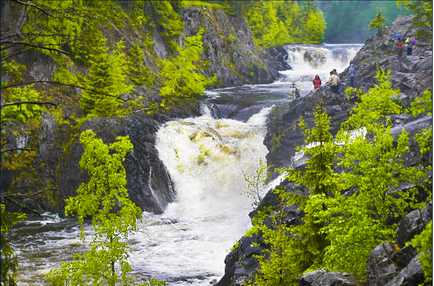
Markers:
point(309, 60)
point(206, 159)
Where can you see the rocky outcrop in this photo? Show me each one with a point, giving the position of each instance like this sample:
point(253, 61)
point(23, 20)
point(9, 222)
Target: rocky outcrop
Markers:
point(389, 263)
point(411, 74)
point(327, 278)
point(229, 47)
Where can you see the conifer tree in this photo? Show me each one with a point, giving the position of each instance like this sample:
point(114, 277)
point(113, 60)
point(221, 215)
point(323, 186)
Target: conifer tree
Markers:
point(108, 76)
point(295, 249)
point(377, 22)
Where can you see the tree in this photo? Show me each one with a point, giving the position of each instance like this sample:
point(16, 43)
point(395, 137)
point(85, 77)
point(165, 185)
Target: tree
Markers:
point(349, 212)
point(422, 9)
point(377, 22)
point(294, 249)
point(180, 78)
point(114, 216)
point(256, 182)
point(107, 74)
point(315, 26)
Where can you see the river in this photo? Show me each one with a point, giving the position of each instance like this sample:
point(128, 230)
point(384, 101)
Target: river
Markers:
point(206, 157)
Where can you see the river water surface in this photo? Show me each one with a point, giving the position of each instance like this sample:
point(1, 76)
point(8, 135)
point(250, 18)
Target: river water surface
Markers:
point(206, 157)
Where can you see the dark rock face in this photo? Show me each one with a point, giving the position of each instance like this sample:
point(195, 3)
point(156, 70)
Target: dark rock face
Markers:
point(229, 47)
point(148, 181)
point(412, 224)
point(280, 56)
point(380, 268)
point(285, 126)
point(411, 275)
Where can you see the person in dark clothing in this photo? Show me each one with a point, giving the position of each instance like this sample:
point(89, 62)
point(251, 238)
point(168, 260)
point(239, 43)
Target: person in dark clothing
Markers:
point(352, 72)
point(316, 82)
point(297, 93)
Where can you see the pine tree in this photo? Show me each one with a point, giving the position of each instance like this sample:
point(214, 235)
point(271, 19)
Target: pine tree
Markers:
point(377, 22)
point(108, 77)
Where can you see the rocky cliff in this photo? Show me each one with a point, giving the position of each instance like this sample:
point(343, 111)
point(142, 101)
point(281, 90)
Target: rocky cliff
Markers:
point(412, 75)
point(229, 47)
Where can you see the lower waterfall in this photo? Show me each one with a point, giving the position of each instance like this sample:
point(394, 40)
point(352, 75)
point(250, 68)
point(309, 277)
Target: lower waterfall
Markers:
point(206, 159)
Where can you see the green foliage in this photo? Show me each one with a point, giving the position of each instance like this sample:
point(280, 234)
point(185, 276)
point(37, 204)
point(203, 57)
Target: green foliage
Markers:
point(255, 183)
point(378, 21)
point(347, 213)
point(422, 10)
point(181, 78)
point(275, 23)
point(422, 104)
point(114, 216)
point(21, 113)
point(137, 71)
point(276, 263)
point(108, 77)
point(9, 263)
point(423, 243)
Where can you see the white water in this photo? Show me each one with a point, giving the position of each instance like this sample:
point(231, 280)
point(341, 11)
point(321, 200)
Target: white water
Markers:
point(206, 158)
point(307, 61)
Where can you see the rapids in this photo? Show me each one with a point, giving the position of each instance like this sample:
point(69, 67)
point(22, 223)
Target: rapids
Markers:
point(206, 157)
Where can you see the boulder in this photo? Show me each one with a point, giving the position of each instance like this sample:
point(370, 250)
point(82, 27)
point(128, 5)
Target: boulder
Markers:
point(412, 224)
point(380, 268)
point(327, 278)
point(411, 275)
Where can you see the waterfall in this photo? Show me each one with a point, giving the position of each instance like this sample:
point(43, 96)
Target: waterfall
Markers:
point(309, 60)
point(206, 159)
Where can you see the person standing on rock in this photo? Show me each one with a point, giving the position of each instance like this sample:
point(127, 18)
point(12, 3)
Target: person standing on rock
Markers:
point(400, 45)
point(316, 82)
point(409, 43)
point(352, 72)
point(333, 82)
point(339, 80)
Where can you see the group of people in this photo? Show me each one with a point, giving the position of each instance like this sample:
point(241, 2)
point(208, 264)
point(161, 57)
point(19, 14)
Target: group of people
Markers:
point(408, 44)
point(334, 80)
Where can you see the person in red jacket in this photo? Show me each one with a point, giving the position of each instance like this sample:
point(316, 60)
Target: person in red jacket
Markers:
point(316, 82)
point(400, 45)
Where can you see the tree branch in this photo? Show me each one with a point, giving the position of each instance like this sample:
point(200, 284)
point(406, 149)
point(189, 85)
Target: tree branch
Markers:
point(28, 102)
point(39, 47)
point(34, 6)
point(4, 195)
point(61, 83)
point(16, 149)
point(21, 205)
point(14, 54)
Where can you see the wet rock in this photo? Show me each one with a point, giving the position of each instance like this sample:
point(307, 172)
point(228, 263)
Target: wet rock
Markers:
point(411, 275)
point(413, 224)
point(380, 268)
point(326, 278)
